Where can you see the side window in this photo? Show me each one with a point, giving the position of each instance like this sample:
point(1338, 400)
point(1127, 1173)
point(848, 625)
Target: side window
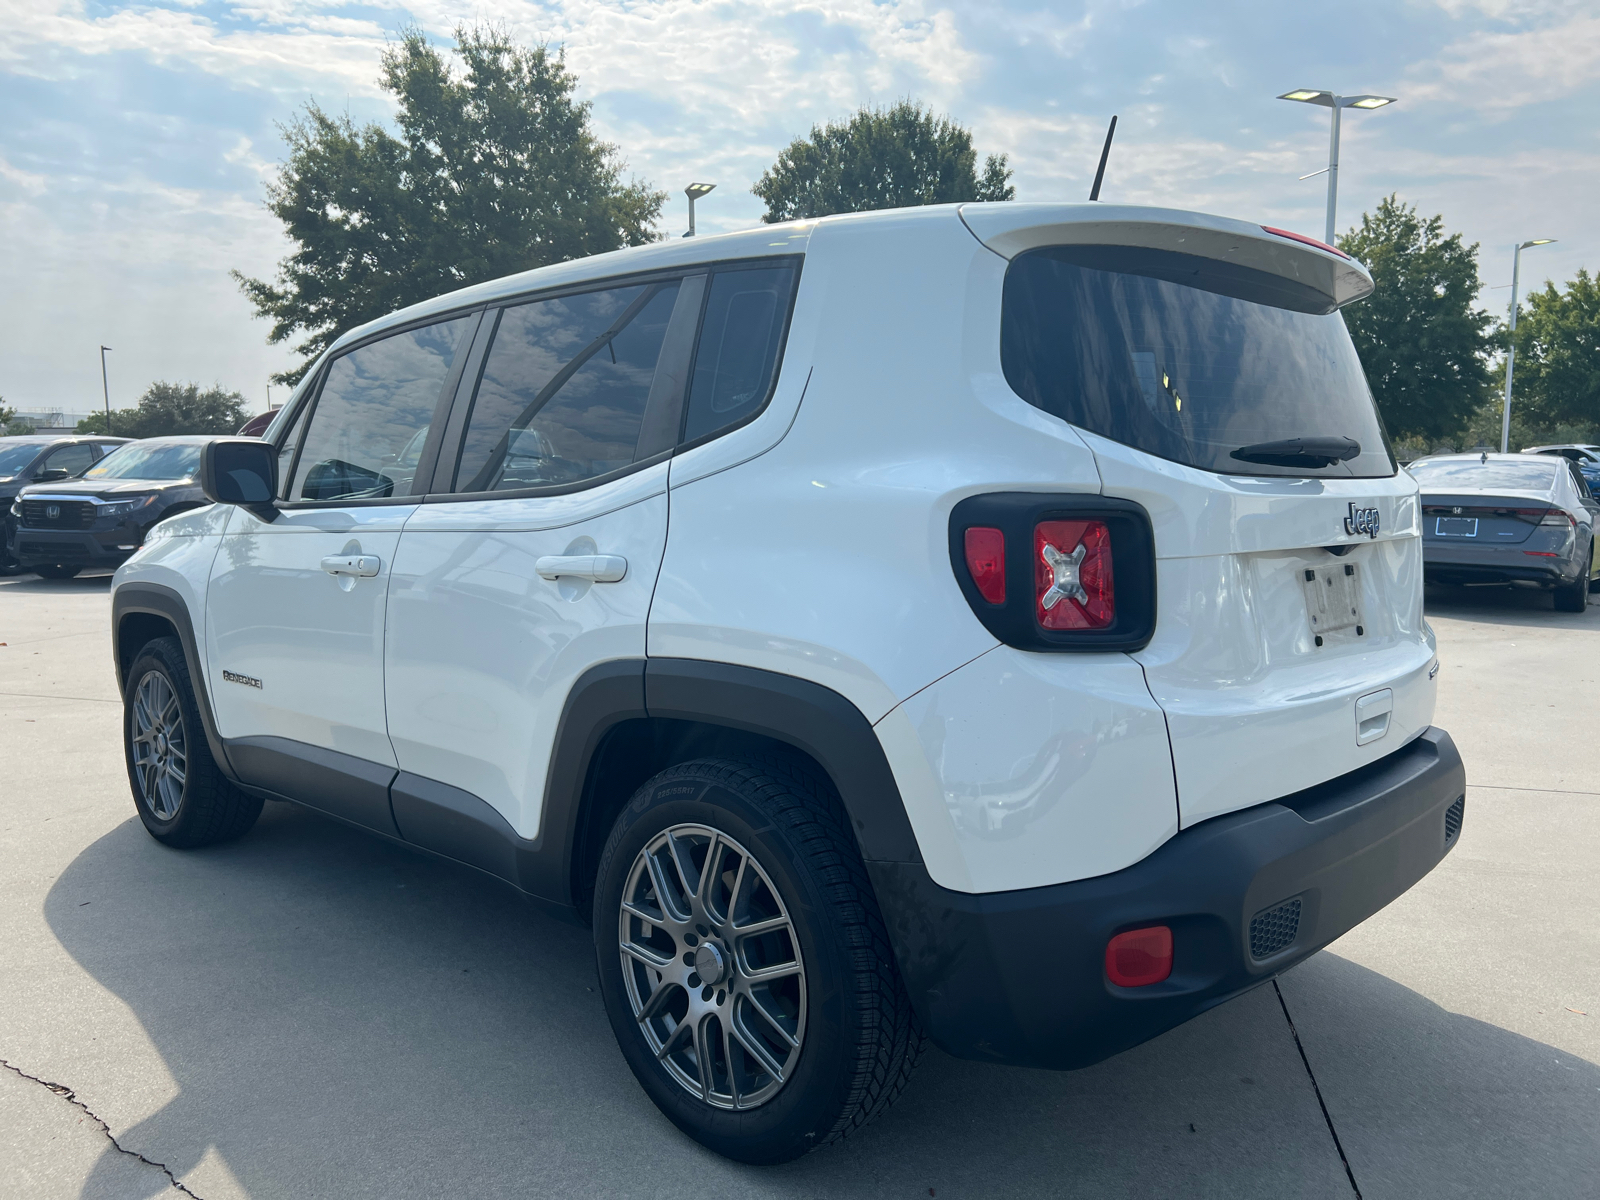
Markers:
point(740, 338)
point(372, 415)
point(1578, 482)
point(74, 460)
point(291, 443)
point(564, 389)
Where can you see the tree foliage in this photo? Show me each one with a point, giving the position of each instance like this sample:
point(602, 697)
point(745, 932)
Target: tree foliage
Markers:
point(495, 170)
point(1423, 344)
point(168, 408)
point(1556, 376)
point(10, 426)
point(880, 158)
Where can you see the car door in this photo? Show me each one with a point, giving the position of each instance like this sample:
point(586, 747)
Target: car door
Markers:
point(536, 558)
point(65, 462)
point(296, 605)
point(1587, 504)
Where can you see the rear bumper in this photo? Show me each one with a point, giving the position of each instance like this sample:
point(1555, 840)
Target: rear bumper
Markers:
point(1455, 564)
point(1019, 977)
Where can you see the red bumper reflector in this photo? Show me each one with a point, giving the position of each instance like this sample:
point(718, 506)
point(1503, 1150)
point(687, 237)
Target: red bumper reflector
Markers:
point(986, 560)
point(1139, 957)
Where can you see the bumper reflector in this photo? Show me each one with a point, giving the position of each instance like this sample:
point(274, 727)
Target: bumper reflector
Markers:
point(1139, 957)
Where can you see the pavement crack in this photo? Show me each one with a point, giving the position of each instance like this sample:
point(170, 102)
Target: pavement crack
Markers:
point(1322, 1104)
point(71, 1097)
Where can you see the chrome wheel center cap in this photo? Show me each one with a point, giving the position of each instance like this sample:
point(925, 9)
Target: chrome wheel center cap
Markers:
point(161, 743)
point(710, 963)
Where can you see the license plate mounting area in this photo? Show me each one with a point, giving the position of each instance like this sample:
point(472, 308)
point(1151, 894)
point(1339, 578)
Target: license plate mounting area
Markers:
point(1333, 598)
point(1455, 527)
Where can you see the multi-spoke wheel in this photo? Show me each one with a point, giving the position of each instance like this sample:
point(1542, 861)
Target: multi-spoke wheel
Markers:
point(160, 760)
point(712, 966)
point(743, 960)
point(182, 797)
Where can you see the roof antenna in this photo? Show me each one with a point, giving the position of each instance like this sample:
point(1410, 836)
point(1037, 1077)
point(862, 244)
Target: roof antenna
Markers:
point(1094, 192)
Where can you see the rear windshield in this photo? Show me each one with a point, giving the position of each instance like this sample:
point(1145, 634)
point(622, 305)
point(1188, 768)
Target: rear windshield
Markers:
point(1444, 473)
point(1184, 358)
point(147, 460)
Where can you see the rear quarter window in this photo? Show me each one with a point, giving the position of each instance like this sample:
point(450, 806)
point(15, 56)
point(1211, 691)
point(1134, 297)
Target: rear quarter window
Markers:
point(1184, 358)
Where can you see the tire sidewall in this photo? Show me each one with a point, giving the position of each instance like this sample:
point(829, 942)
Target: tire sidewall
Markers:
point(155, 657)
point(803, 1112)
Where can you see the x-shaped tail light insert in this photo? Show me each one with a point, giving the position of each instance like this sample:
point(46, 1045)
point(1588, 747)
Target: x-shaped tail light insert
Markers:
point(1065, 568)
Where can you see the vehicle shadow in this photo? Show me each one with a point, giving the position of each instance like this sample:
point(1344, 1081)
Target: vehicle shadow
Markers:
point(347, 1017)
point(77, 585)
point(1506, 605)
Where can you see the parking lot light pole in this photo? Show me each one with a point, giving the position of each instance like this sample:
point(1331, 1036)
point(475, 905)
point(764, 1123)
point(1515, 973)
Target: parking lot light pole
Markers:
point(105, 387)
point(1336, 103)
point(1511, 348)
point(695, 191)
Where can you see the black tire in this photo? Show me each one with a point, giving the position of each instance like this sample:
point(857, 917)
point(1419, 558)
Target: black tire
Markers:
point(203, 808)
point(1573, 597)
point(860, 1037)
point(55, 571)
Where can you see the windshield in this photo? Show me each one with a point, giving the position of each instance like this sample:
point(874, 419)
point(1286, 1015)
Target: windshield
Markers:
point(16, 456)
point(1108, 339)
point(148, 460)
point(1445, 473)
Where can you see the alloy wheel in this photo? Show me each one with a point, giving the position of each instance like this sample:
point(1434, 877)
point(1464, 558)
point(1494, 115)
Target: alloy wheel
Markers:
point(713, 967)
point(160, 749)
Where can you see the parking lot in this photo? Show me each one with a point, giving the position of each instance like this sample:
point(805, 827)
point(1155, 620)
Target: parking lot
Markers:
point(313, 1012)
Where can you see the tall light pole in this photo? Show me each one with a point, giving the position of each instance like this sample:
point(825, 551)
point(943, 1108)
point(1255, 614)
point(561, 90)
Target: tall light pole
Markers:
point(1511, 350)
point(1336, 103)
point(696, 191)
point(105, 387)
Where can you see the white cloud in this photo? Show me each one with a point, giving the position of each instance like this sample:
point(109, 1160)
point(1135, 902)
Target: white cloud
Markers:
point(1496, 72)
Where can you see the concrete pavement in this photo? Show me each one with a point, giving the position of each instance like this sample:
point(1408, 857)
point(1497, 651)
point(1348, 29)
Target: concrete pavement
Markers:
point(312, 1012)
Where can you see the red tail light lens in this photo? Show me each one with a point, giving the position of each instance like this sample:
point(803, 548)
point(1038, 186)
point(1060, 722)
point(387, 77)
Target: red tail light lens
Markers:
point(1139, 957)
point(986, 561)
point(1072, 575)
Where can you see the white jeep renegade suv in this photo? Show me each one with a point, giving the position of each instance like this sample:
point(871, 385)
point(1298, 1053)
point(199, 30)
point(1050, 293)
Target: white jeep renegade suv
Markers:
point(999, 624)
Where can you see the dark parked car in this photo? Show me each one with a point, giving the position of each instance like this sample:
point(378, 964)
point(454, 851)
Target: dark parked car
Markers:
point(1509, 518)
point(100, 519)
point(41, 458)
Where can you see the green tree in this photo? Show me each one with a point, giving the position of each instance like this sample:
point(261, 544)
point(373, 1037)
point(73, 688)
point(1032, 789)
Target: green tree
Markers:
point(9, 425)
point(495, 170)
point(880, 158)
point(167, 408)
point(1556, 379)
point(1423, 344)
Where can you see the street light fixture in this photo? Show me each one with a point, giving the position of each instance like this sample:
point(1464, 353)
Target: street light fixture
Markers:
point(1511, 350)
point(105, 387)
point(696, 191)
point(1331, 101)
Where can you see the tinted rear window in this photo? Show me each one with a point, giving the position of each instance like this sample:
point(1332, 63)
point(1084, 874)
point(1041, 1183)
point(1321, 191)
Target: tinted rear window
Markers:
point(1445, 473)
point(1183, 358)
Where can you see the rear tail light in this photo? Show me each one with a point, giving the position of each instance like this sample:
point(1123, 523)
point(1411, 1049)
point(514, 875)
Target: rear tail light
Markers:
point(1556, 516)
point(1072, 575)
point(986, 560)
point(1049, 571)
point(1139, 957)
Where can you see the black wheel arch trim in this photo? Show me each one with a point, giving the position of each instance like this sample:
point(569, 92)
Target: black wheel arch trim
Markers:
point(157, 600)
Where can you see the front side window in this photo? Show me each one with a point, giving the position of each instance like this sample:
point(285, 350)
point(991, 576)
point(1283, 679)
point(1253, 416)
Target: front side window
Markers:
point(1185, 359)
point(74, 460)
point(741, 336)
point(564, 389)
point(374, 404)
point(149, 460)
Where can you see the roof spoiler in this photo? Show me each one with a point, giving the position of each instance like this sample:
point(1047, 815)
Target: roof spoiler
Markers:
point(1010, 228)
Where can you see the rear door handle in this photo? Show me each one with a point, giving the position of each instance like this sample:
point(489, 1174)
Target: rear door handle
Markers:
point(596, 568)
point(363, 566)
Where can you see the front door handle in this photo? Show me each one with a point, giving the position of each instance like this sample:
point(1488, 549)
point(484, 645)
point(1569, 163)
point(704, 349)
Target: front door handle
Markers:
point(363, 566)
point(596, 568)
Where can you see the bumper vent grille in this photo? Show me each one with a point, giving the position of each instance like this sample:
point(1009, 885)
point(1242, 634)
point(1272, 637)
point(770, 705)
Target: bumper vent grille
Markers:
point(67, 550)
point(1452, 819)
point(1274, 929)
point(69, 514)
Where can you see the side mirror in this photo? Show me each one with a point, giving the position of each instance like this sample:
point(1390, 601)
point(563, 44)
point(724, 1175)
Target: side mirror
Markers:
point(242, 471)
point(52, 475)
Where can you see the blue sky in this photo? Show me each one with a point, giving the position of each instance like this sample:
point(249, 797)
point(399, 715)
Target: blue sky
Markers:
point(136, 138)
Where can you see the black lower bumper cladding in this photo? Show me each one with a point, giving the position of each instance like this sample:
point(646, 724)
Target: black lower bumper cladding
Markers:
point(1019, 977)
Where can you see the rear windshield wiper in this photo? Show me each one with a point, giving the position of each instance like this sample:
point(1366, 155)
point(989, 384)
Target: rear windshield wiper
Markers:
point(1300, 452)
